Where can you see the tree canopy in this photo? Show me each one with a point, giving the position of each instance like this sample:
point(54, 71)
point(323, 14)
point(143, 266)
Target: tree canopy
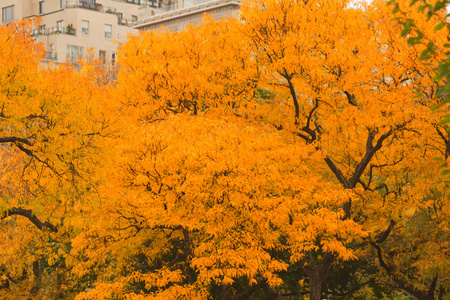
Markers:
point(287, 153)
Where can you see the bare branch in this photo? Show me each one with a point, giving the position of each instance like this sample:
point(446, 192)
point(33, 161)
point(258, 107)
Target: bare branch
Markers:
point(27, 213)
point(13, 139)
point(350, 98)
point(337, 172)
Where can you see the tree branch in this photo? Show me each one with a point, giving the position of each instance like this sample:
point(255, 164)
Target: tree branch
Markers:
point(27, 213)
point(250, 290)
point(400, 280)
point(370, 152)
point(337, 172)
point(13, 139)
point(383, 236)
point(350, 98)
point(293, 94)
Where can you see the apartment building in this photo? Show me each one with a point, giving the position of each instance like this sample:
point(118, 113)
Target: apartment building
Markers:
point(178, 14)
point(70, 27)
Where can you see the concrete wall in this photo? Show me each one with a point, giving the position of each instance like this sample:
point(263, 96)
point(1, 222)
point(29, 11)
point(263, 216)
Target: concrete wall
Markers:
point(178, 19)
point(55, 40)
point(96, 32)
point(18, 8)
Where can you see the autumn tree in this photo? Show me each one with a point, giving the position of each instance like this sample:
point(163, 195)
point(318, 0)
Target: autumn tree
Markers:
point(157, 92)
point(260, 157)
point(352, 87)
point(192, 71)
point(51, 124)
point(436, 13)
point(196, 209)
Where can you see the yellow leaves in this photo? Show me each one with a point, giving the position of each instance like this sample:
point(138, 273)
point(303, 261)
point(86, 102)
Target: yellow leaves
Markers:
point(141, 179)
point(194, 70)
point(183, 176)
point(160, 279)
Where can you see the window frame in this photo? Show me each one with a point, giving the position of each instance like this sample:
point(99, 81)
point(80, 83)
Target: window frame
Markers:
point(60, 26)
point(41, 29)
point(8, 13)
point(84, 30)
point(102, 56)
point(41, 7)
point(108, 34)
point(70, 50)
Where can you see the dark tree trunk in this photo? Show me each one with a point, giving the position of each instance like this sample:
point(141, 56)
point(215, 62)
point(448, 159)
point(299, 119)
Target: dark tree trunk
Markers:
point(315, 286)
point(59, 283)
point(318, 276)
point(37, 280)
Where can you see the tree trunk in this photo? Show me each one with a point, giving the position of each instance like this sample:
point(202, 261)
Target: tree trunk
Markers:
point(318, 276)
point(59, 294)
point(37, 280)
point(315, 286)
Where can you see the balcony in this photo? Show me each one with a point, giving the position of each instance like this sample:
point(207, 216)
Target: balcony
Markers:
point(59, 30)
point(124, 22)
point(53, 30)
point(156, 7)
point(92, 6)
point(37, 32)
point(162, 6)
point(51, 56)
point(84, 4)
point(137, 2)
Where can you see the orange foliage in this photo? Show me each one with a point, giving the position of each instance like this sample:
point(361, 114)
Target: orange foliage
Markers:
point(249, 157)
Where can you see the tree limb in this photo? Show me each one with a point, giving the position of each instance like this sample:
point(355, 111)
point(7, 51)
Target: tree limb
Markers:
point(337, 172)
point(27, 213)
point(13, 139)
point(400, 280)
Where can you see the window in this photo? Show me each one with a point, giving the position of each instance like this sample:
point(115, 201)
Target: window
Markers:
point(113, 58)
point(133, 18)
point(62, 3)
point(102, 56)
point(51, 52)
point(60, 26)
point(41, 29)
point(8, 13)
point(120, 19)
point(108, 31)
point(85, 27)
point(41, 7)
point(74, 52)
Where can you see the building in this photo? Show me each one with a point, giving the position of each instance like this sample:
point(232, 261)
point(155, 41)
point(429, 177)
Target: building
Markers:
point(70, 27)
point(177, 15)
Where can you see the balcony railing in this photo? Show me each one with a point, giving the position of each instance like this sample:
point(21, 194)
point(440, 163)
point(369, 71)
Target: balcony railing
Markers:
point(54, 30)
point(51, 56)
point(39, 31)
point(91, 6)
point(174, 5)
point(158, 4)
point(138, 2)
point(59, 30)
point(125, 22)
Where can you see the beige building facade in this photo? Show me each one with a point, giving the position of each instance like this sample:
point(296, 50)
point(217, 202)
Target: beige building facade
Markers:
point(178, 15)
point(69, 28)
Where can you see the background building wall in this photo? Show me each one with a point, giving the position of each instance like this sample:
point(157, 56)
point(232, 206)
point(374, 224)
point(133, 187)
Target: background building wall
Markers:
point(62, 20)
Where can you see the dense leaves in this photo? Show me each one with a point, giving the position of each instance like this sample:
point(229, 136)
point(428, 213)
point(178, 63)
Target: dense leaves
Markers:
point(263, 157)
